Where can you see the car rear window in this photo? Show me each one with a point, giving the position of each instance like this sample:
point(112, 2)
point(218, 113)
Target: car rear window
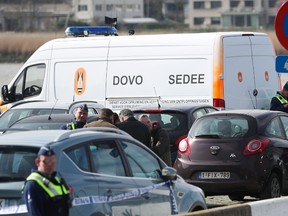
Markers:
point(223, 127)
point(13, 115)
point(168, 121)
point(16, 164)
point(39, 125)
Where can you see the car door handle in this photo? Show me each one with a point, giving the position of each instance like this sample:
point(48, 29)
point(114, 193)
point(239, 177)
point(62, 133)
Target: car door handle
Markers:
point(146, 196)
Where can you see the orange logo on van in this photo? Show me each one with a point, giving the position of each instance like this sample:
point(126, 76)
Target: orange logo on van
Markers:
point(266, 76)
point(240, 77)
point(80, 81)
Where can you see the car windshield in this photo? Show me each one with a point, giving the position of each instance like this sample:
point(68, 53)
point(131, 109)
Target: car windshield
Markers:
point(222, 127)
point(16, 164)
point(168, 121)
point(13, 115)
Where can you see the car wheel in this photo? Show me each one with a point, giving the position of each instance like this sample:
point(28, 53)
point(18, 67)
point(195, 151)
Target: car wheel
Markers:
point(272, 189)
point(236, 197)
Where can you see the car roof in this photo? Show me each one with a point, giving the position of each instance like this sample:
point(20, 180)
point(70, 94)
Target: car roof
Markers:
point(256, 113)
point(166, 108)
point(38, 138)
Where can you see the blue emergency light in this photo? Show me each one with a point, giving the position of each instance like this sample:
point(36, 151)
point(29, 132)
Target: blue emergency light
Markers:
point(85, 31)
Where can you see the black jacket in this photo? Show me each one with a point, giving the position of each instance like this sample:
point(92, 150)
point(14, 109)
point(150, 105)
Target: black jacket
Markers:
point(136, 129)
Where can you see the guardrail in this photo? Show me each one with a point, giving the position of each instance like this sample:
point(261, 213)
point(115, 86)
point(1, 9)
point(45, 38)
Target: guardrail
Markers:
point(269, 207)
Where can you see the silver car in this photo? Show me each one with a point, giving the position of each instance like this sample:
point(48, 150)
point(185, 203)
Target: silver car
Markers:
point(111, 173)
point(31, 108)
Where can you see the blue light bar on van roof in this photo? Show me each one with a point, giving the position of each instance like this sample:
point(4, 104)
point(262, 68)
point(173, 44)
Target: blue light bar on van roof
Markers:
point(84, 31)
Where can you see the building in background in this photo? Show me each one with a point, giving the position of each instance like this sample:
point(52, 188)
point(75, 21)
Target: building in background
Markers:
point(32, 15)
point(221, 14)
point(43, 15)
point(94, 11)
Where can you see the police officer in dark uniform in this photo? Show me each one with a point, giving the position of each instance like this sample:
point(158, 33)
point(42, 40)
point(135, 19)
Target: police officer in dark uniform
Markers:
point(44, 193)
point(80, 120)
point(280, 100)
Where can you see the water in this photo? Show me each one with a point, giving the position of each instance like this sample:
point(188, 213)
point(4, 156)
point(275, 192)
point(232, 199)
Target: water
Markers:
point(8, 71)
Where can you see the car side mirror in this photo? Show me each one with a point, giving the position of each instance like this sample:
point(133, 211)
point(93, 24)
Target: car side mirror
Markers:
point(5, 93)
point(169, 173)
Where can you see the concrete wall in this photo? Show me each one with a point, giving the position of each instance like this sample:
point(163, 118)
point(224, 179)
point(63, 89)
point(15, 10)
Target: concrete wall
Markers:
point(269, 207)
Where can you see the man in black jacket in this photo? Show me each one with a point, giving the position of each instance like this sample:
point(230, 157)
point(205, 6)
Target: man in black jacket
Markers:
point(135, 128)
point(160, 142)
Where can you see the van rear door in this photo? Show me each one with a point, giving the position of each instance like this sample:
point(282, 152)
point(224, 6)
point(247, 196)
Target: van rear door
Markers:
point(249, 75)
point(267, 80)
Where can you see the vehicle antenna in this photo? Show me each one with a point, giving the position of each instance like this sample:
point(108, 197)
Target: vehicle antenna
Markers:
point(158, 102)
point(49, 117)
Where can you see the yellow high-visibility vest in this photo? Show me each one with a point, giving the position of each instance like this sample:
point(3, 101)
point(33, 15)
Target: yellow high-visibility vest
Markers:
point(281, 99)
point(51, 189)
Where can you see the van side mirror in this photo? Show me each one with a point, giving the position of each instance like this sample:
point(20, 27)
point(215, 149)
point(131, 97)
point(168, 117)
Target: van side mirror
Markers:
point(5, 93)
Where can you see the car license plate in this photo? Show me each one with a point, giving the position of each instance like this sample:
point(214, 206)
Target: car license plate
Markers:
point(214, 175)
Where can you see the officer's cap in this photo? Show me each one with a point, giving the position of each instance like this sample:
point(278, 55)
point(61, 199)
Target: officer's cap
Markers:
point(83, 107)
point(46, 151)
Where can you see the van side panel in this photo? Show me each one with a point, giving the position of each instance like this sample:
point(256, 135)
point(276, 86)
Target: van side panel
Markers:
point(146, 80)
point(145, 70)
point(89, 84)
point(79, 69)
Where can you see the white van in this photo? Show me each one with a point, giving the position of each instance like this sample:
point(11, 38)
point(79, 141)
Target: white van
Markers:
point(224, 69)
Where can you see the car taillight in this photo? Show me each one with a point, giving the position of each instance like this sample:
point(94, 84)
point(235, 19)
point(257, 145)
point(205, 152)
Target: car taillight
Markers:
point(179, 140)
point(219, 103)
point(255, 147)
point(184, 147)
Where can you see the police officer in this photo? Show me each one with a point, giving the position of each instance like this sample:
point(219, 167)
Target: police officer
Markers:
point(280, 100)
point(80, 120)
point(44, 193)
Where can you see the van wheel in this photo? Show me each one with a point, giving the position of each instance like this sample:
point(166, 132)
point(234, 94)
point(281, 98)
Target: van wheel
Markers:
point(236, 197)
point(272, 189)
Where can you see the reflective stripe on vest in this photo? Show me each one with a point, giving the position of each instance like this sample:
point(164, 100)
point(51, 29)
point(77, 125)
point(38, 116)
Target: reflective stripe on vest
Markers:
point(51, 189)
point(73, 126)
point(281, 99)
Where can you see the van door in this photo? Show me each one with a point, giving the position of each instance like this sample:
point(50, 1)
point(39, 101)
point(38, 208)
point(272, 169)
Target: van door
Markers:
point(249, 75)
point(267, 80)
point(28, 85)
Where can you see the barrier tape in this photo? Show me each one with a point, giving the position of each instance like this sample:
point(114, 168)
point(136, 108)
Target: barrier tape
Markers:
point(78, 201)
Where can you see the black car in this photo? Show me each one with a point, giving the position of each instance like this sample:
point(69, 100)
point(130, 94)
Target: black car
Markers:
point(176, 120)
point(237, 153)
